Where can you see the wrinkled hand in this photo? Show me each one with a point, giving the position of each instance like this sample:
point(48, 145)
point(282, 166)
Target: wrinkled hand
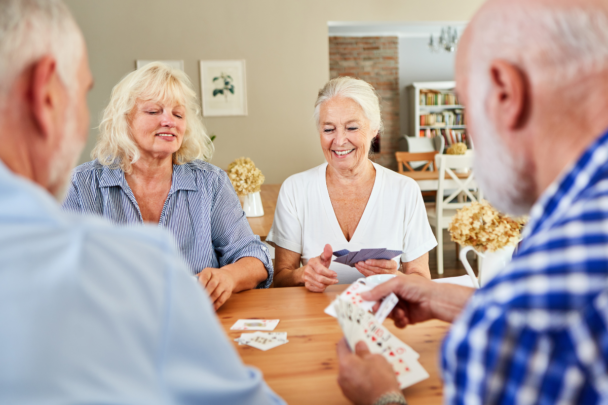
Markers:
point(317, 275)
point(374, 266)
point(414, 293)
point(364, 377)
point(218, 283)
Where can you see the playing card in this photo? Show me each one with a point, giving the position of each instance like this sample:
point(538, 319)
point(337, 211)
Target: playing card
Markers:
point(387, 305)
point(364, 254)
point(342, 252)
point(357, 324)
point(263, 340)
point(255, 324)
point(341, 259)
point(353, 294)
point(387, 255)
point(349, 258)
point(409, 372)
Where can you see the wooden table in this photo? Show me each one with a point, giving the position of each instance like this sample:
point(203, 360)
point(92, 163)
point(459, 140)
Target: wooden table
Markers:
point(429, 181)
point(304, 371)
point(261, 225)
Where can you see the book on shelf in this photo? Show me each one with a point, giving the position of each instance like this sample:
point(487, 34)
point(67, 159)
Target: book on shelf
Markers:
point(435, 97)
point(442, 119)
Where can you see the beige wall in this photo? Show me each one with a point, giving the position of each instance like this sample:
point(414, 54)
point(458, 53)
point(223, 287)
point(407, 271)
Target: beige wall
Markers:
point(285, 45)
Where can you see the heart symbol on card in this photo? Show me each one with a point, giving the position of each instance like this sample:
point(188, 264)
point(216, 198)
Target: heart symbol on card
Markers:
point(373, 338)
point(392, 354)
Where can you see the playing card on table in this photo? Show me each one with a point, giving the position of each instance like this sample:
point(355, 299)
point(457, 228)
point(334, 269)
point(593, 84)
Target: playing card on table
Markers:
point(255, 324)
point(263, 340)
point(353, 294)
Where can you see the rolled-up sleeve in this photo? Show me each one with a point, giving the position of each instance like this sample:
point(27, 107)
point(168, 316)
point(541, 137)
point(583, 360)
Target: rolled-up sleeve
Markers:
point(232, 236)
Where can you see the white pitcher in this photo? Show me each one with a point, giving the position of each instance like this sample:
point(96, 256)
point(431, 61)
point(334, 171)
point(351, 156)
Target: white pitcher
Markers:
point(252, 205)
point(490, 263)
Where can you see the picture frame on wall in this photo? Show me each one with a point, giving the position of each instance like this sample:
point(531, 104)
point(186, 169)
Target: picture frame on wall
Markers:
point(223, 87)
point(176, 64)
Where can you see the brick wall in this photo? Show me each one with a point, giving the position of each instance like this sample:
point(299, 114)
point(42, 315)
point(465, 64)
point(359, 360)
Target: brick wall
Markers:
point(375, 60)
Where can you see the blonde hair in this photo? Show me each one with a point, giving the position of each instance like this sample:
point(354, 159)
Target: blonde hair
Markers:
point(357, 90)
point(159, 82)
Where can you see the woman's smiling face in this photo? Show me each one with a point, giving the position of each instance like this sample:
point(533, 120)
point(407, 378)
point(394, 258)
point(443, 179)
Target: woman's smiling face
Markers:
point(158, 128)
point(345, 133)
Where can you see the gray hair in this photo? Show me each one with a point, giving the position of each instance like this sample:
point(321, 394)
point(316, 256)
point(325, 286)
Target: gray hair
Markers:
point(30, 29)
point(552, 43)
point(357, 90)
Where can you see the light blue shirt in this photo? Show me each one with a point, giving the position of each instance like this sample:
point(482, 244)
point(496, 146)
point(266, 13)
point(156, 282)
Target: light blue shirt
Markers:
point(202, 211)
point(95, 313)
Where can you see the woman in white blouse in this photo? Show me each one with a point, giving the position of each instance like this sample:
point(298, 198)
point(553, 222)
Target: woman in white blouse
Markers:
point(348, 202)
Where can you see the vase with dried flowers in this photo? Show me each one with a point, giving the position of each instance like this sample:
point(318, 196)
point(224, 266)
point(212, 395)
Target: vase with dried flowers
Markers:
point(492, 235)
point(247, 181)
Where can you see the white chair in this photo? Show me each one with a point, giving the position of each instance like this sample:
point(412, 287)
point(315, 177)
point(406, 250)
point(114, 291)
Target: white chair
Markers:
point(440, 215)
point(415, 144)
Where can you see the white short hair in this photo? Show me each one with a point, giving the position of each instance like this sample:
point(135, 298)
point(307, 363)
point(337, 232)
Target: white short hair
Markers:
point(552, 43)
point(31, 29)
point(157, 82)
point(357, 90)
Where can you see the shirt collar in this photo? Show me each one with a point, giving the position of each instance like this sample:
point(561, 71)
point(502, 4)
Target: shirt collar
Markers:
point(183, 178)
point(561, 194)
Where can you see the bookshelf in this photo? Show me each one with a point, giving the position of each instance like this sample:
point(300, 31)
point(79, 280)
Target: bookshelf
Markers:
point(434, 111)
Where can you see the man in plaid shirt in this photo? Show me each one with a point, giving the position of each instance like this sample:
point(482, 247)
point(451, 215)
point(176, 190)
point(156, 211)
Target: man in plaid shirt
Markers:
point(534, 77)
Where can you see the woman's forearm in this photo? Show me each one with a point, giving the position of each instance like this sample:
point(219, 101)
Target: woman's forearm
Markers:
point(287, 277)
point(419, 266)
point(247, 273)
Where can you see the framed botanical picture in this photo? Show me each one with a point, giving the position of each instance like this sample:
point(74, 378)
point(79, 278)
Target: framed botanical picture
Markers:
point(223, 87)
point(176, 64)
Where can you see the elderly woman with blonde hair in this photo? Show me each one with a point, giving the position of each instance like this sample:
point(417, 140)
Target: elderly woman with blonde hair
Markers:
point(348, 202)
point(149, 167)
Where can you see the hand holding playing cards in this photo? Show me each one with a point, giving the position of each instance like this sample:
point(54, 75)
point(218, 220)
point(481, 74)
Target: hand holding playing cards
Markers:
point(364, 377)
point(414, 293)
point(420, 299)
point(377, 266)
point(218, 283)
point(317, 275)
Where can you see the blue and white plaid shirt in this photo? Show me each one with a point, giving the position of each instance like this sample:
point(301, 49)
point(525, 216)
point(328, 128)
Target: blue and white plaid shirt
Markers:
point(538, 332)
point(202, 211)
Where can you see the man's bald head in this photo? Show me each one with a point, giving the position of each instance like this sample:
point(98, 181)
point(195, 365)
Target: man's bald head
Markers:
point(525, 69)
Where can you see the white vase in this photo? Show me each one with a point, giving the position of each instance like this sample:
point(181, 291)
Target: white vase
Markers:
point(252, 205)
point(490, 263)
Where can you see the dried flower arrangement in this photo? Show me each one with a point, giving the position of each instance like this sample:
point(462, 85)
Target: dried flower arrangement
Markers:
point(244, 176)
point(457, 149)
point(480, 225)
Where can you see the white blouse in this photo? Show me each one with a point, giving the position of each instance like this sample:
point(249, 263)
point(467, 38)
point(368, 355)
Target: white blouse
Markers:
point(394, 218)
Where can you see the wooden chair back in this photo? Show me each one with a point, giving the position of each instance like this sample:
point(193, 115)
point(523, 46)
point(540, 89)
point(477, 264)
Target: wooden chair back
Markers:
point(404, 159)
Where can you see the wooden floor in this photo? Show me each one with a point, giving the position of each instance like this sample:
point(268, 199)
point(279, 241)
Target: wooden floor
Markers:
point(452, 266)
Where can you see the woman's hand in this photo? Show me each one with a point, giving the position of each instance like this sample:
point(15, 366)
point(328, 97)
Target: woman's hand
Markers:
point(316, 274)
point(219, 284)
point(372, 266)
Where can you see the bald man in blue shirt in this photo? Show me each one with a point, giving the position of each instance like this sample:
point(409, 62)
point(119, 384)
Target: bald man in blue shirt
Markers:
point(89, 312)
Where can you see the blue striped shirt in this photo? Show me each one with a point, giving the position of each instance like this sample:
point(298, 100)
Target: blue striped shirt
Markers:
point(202, 211)
point(538, 332)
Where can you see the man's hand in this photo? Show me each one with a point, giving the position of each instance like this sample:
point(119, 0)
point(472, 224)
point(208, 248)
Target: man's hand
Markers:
point(420, 299)
point(364, 377)
point(218, 283)
point(317, 275)
point(376, 266)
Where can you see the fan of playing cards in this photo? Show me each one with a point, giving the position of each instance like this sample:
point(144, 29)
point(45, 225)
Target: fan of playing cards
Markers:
point(350, 258)
point(358, 324)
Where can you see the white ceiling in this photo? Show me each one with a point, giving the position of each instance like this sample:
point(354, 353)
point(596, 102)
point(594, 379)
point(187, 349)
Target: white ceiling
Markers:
point(403, 30)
